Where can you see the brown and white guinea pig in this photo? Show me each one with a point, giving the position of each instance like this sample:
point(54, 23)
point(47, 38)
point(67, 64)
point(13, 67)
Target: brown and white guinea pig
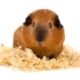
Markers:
point(42, 32)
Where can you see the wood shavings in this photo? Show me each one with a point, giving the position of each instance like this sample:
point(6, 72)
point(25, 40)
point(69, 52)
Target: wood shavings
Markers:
point(26, 60)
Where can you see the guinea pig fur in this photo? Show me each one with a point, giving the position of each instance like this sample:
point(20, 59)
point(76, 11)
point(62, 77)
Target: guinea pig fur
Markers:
point(42, 32)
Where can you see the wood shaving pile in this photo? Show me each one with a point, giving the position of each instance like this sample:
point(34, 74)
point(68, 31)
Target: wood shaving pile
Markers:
point(27, 60)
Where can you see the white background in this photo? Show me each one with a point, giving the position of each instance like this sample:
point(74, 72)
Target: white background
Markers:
point(68, 74)
point(12, 15)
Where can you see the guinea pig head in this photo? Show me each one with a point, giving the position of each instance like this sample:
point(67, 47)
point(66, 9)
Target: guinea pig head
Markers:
point(42, 21)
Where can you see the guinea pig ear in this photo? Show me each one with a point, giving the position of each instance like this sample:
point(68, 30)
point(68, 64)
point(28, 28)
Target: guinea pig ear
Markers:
point(28, 20)
point(57, 22)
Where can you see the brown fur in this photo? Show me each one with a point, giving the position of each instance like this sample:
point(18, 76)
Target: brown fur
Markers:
point(51, 46)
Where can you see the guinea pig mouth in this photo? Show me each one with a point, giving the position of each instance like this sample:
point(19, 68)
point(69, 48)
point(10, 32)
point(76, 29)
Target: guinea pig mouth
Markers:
point(40, 40)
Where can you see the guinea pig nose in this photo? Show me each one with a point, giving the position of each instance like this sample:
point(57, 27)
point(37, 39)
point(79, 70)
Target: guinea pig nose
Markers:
point(40, 33)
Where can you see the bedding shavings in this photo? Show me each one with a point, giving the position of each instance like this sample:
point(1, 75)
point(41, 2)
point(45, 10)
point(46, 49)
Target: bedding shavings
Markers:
point(26, 60)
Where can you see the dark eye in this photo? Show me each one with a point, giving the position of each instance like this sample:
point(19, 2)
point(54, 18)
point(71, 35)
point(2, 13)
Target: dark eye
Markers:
point(28, 20)
point(57, 22)
point(33, 24)
point(50, 25)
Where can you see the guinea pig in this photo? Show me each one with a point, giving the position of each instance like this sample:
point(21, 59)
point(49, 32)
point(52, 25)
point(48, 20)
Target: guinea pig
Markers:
point(42, 32)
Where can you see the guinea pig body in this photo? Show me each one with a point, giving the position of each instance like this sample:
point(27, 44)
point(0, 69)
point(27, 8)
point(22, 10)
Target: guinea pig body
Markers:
point(42, 32)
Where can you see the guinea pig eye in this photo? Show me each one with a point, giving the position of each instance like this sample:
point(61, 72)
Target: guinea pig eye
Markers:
point(50, 25)
point(57, 22)
point(33, 24)
point(28, 20)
